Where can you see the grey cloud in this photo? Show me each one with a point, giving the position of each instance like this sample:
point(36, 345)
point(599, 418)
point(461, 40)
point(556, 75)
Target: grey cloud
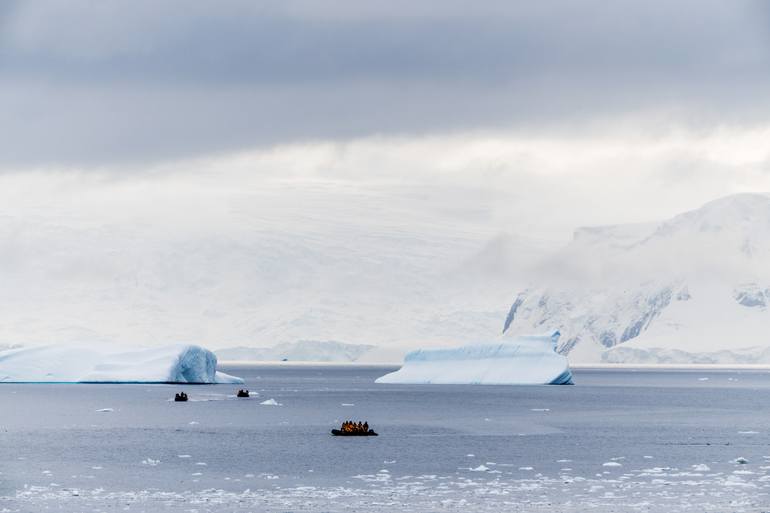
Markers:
point(120, 81)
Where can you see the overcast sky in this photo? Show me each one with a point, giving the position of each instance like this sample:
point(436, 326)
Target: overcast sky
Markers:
point(607, 111)
point(247, 172)
point(111, 82)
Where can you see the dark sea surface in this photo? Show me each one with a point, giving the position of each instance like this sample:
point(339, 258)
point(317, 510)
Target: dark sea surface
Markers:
point(619, 440)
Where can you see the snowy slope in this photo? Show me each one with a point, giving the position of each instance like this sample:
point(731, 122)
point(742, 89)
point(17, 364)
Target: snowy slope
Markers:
point(697, 283)
point(300, 351)
point(72, 364)
point(151, 262)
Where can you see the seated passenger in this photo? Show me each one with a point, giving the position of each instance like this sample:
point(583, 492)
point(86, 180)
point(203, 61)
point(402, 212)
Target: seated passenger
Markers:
point(366, 427)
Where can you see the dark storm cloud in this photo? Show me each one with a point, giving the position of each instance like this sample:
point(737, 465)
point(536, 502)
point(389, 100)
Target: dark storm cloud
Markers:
point(119, 81)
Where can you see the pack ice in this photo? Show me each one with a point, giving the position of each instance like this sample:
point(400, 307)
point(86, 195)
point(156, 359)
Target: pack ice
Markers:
point(68, 364)
point(525, 360)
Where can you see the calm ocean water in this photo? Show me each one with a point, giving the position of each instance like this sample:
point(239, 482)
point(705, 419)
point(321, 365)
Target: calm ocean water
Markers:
point(620, 440)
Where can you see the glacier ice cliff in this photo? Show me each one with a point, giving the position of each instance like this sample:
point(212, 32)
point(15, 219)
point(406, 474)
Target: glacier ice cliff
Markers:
point(525, 360)
point(68, 364)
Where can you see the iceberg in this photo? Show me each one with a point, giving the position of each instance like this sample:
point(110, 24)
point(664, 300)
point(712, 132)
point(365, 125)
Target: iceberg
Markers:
point(68, 364)
point(524, 360)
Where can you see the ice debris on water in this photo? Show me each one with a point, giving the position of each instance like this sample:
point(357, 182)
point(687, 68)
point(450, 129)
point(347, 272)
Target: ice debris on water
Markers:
point(701, 467)
point(611, 464)
point(271, 402)
point(151, 462)
point(741, 460)
point(105, 410)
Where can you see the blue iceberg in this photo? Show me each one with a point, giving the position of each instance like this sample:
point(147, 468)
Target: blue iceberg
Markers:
point(73, 364)
point(525, 360)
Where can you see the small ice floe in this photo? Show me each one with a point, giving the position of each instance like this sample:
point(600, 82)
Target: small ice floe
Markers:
point(151, 462)
point(703, 379)
point(201, 463)
point(470, 455)
point(647, 457)
point(348, 404)
point(701, 467)
point(271, 402)
point(480, 468)
point(611, 464)
point(526, 468)
point(96, 468)
point(184, 456)
point(389, 462)
point(563, 461)
point(748, 432)
point(741, 460)
point(539, 409)
point(105, 410)
point(193, 423)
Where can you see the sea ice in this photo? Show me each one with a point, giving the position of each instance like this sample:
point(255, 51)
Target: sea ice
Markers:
point(271, 402)
point(525, 360)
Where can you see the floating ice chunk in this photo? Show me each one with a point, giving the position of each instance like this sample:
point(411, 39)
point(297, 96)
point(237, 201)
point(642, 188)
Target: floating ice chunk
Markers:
point(741, 460)
point(184, 456)
point(348, 404)
point(525, 360)
point(748, 432)
point(107, 364)
point(539, 409)
point(105, 410)
point(701, 467)
point(611, 464)
point(271, 402)
point(703, 379)
point(480, 468)
point(151, 462)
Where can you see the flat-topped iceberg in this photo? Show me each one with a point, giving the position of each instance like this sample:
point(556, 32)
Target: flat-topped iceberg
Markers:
point(524, 360)
point(68, 364)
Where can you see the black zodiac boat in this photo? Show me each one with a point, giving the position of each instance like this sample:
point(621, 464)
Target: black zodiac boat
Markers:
point(337, 432)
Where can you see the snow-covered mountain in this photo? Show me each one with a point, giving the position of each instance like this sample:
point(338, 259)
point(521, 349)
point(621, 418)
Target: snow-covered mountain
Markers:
point(696, 284)
point(147, 262)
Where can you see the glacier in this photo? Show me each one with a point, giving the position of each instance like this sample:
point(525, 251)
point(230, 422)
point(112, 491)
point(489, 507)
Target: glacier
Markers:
point(525, 360)
point(690, 289)
point(179, 363)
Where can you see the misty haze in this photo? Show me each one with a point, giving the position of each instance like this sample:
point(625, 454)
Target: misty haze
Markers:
point(384, 256)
